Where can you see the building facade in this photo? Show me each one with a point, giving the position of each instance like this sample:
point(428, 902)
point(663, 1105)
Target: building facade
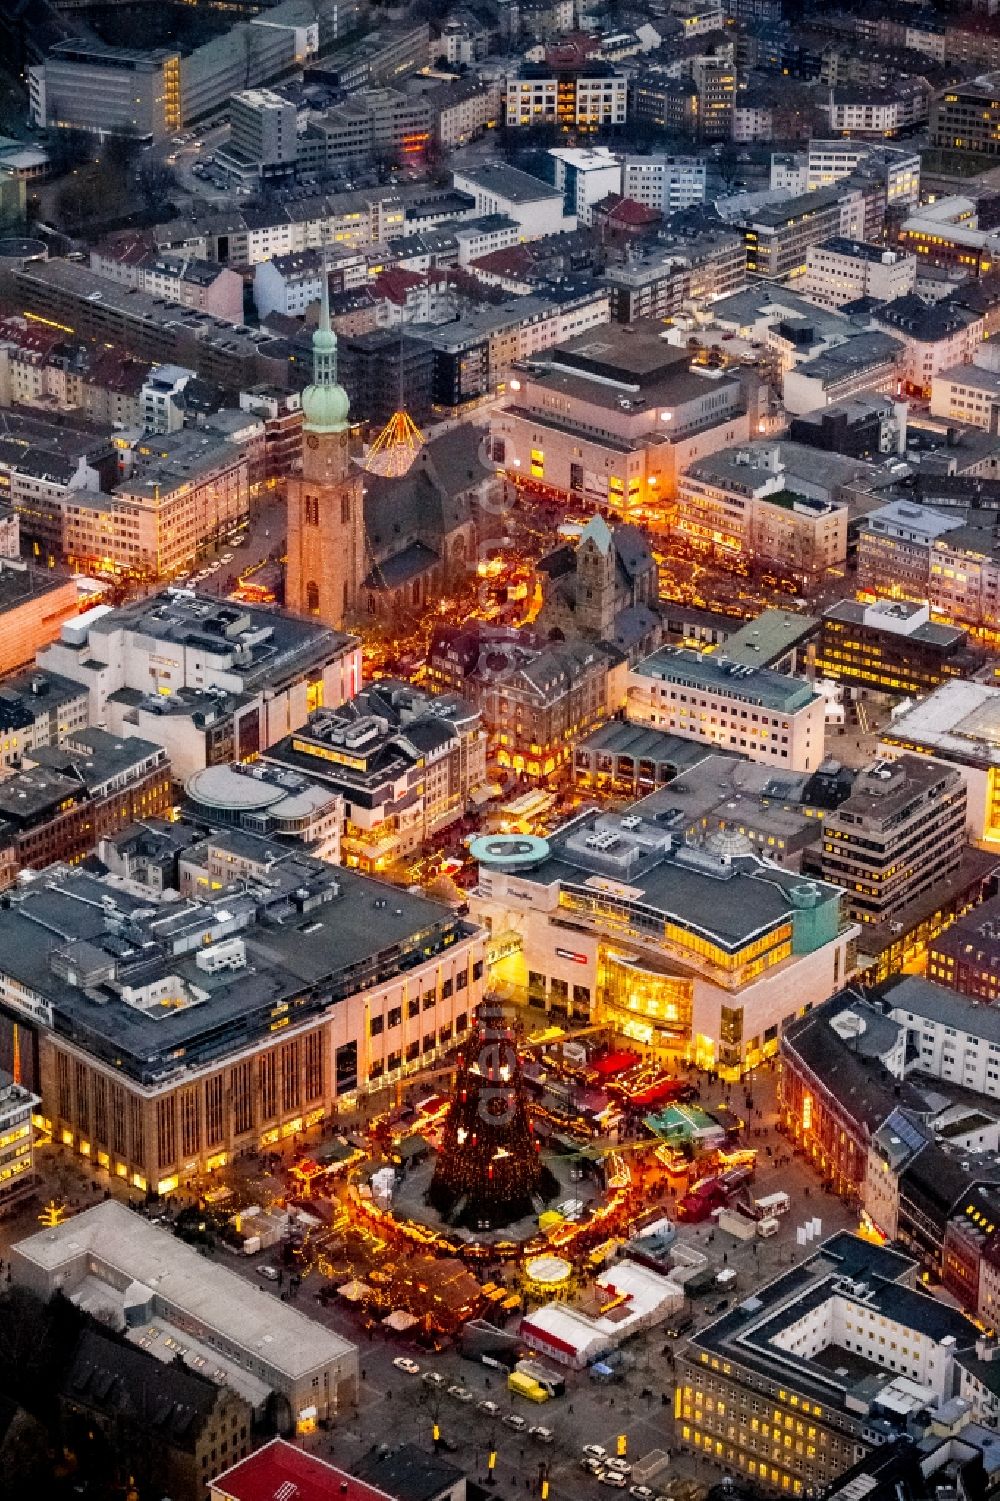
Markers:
point(612, 921)
point(271, 1043)
point(758, 713)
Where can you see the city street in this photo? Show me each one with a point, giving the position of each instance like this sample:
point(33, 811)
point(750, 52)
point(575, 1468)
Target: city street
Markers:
point(397, 1406)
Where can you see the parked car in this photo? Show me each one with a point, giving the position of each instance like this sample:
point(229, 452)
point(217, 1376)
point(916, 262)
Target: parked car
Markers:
point(404, 1363)
point(270, 1272)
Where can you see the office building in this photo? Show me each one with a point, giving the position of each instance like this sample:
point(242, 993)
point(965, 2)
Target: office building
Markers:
point(956, 1040)
point(865, 363)
point(958, 724)
point(18, 1179)
point(498, 189)
point(881, 1096)
point(726, 705)
point(380, 57)
point(965, 956)
point(462, 109)
point(966, 116)
point(613, 419)
point(404, 763)
point(841, 1066)
point(705, 951)
point(281, 414)
point(186, 490)
point(778, 237)
point(473, 354)
point(89, 85)
point(715, 80)
point(535, 697)
point(967, 393)
point(585, 177)
point(670, 103)
point(34, 604)
point(877, 112)
point(174, 1303)
point(840, 270)
point(894, 549)
point(829, 1362)
point(592, 97)
point(935, 337)
point(667, 183)
point(211, 682)
point(233, 1018)
point(655, 282)
point(829, 162)
point(264, 131)
point(891, 647)
point(161, 399)
point(97, 309)
point(742, 506)
point(946, 235)
point(897, 837)
point(67, 797)
point(860, 427)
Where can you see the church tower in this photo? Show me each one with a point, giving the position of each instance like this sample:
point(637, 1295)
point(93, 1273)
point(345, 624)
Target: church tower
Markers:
point(596, 571)
point(326, 530)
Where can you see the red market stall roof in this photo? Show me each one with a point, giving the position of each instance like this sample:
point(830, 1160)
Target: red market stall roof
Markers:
point(615, 1063)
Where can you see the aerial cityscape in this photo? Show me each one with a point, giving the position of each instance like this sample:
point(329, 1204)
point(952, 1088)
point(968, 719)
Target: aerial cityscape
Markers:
point(499, 750)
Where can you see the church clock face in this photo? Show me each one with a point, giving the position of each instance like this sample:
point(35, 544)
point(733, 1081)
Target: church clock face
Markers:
point(312, 440)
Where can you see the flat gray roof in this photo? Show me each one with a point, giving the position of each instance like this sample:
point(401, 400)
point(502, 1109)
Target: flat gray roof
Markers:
point(265, 1327)
point(766, 640)
point(506, 182)
point(960, 721)
point(715, 674)
point(920, 997)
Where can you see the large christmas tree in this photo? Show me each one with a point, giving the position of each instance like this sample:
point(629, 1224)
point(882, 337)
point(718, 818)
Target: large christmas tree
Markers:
point(489, 1172)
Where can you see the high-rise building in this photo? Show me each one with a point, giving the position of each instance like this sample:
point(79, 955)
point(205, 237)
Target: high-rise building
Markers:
point(892, 647)
point(898, 836)
point(325, 517)
point(265, 130)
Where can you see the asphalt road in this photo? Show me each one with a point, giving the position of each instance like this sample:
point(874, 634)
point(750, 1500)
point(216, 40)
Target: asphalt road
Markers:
point(265, 536)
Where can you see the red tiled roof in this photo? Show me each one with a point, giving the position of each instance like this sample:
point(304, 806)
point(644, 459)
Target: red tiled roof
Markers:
point(129, 246)
point(279, 1471)
point(396, 283)
point(27, 335)
point(628, 211)
point(572, 50)
point(514, 261)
